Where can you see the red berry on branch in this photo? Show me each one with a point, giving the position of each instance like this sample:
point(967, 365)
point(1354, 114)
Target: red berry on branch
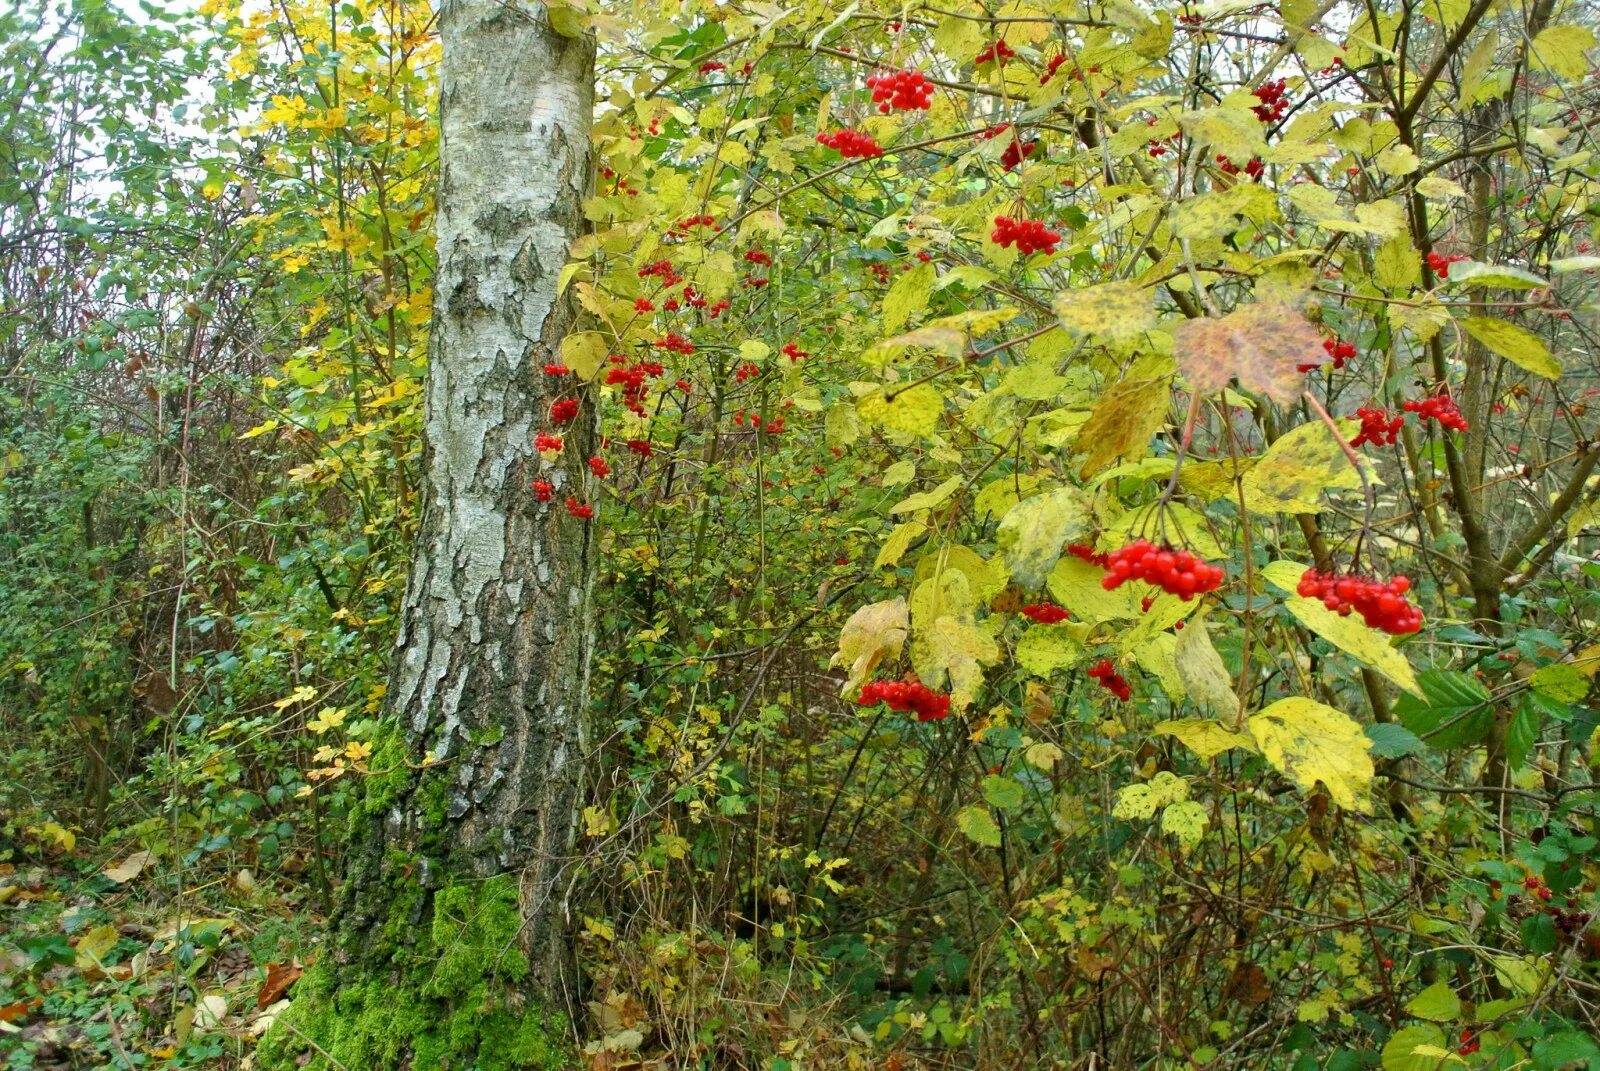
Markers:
point(907, 697)
point(1381, 604)
point(1177, 572)
point(1045, 613)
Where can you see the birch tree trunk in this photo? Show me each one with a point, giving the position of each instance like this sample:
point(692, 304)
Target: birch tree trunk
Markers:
point(449, 945)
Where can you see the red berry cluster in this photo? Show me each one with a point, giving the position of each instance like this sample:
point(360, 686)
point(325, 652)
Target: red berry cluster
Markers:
point(1377, 427)
point(758, 256)
point(663, 270)
point(676, 343)
point(1112, 681)
point(1051, 68)
point(1440, 407)
point(793, 351)
point(578, 509)
point(998, 52)
point(1274, 101)
point(632, 379)
point(641, 447)
point(1178, 572)
point(1340, 352)
point(564, 410)
point(686, 225)
point(1254, 169)
point(1469, 1043)
point(556, 370)
point(1084, 552)
point(543, 489)
point(544, 442)
point(1381, 605)
point(1046, 613)
point(851, 144)
point(903, 91)
point(712, 65)
point(907, 697)
point(598, 466)
point(1029, 235)
point(747, 370)
point(1017, 152)
point(1440, 265)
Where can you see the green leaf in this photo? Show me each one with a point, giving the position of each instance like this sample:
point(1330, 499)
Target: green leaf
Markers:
point(1521, 734)
point(1034, 530)
point(1390, 741)
point(1561, 1050)
point(1002, 793)
point(898, 543)
point(1396, 265)
point(1400, 1054)
point(1516, 344)
point(1473, 273)
point(1313, 745)
point(584, 353)
point(979, 826)
point(1437, 1003)
point(1453, 712)
point(1539, 934)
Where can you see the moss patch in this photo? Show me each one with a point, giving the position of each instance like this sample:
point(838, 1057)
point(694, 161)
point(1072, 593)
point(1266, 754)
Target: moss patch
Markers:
point(451, 1000)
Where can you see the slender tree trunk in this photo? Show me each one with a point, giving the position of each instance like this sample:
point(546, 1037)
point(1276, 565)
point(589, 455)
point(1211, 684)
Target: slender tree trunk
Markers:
point(449, 945)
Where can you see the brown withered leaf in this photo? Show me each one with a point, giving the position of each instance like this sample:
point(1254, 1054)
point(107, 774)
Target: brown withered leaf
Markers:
point(1262, 345)
point(280, 976)
point(1248, 985)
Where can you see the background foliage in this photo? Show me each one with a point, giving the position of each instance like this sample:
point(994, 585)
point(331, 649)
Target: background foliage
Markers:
point(841, 417)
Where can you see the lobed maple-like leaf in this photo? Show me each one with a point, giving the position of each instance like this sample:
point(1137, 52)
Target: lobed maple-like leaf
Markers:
point(1261, 345)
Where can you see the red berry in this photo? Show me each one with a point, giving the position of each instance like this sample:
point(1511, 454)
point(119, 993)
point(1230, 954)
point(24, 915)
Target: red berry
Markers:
point(907, 697)
point(904, 91)
point(851, 144)
point(1177, 572)
point(1382, 605)
point(1045, 613)
point(1028, 235)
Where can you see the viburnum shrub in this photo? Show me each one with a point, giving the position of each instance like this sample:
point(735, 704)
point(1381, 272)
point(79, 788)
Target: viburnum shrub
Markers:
point(906, 697)
point(851, 144)
point(1028, 235)
point(1112, 681)
point(1381, 604)
point(1438, 407)
point(1177, 572)
point(902, 90)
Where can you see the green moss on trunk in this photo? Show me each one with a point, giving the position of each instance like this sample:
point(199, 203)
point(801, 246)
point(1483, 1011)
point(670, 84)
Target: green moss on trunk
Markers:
point(451, 1000)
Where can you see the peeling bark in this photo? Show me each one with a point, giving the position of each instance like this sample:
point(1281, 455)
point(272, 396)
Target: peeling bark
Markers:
point(490, 669)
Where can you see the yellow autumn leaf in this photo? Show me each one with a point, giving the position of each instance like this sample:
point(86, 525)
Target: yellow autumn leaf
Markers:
point(1298, 468)
point(1208, 739)
point(327, 718)
point(1313, 745)
point(1033, 532)
point(1123, 422)
point(1200, 668)
point(874, 633)
point(584, 353)
point(1111, 311)
point(911, 412)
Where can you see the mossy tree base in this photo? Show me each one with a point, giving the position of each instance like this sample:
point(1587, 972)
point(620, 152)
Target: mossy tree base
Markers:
point(452, 1001)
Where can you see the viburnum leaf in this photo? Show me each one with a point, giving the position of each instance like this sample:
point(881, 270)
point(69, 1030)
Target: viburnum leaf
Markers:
point(1043, 649)
point(1562, 51)
point(913, 412)
point(1208, 739)
point(978, 825)
point(1200, 668)
point(1141, 801)
point(1261, 345)
point(1112, 311)
point(874, 633)
point(1122, 423)
point(1077, 584)
point(584, 353)
point(1415, 1048)
point(1516, 344)
point(1034, 531)
point(1186, 820)
point(1298, 468)
point(1313, 744)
